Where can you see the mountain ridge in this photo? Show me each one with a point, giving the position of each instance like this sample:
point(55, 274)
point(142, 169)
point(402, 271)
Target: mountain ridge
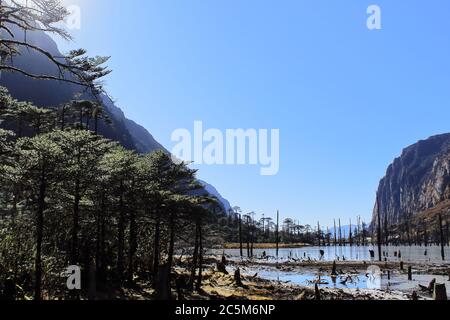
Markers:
point(44, 93)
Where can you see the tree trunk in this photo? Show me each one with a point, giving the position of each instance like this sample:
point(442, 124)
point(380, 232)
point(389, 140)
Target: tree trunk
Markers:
point(132, 246)
point(121, 235)
point(318, 233)
point(277, 235)
point(171, 248)
point(75, 224)
point(200, 260)
point(379, 229)
point(194, 258)
point(240, 236)
point(442, 237)
point(335, 233)
point(39, 234)
point(156, 254)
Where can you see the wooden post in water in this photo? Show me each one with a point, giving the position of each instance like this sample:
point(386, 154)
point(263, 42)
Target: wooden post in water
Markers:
point(447, 232)
point(379, 229)
point(240, 236)
point(318, 232)
point(359, 231)
point(350, 235)
point(442, 237)
point(425, 233)
point(277, 232)
point(335, 233)
point(340, 233)
point(328, 236)
point(410, 273)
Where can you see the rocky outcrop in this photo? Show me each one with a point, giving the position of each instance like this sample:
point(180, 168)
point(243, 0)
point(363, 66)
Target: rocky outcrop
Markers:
point(416, 181)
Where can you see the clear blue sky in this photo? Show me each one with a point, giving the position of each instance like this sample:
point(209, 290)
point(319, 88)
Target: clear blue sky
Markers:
point(346, 100)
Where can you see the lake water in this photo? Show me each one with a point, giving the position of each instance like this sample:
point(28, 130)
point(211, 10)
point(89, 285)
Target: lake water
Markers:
point(397, 281)
point(350, 279)
point(355, 253)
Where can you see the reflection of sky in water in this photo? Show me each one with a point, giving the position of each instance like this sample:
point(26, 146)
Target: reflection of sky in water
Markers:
point(398, 281)
point(413, 253)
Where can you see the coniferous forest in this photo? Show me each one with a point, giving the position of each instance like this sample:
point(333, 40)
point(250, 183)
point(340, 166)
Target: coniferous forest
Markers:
point(71, 197)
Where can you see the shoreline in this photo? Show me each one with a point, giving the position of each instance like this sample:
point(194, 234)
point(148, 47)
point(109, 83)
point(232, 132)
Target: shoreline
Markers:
point(266, 246)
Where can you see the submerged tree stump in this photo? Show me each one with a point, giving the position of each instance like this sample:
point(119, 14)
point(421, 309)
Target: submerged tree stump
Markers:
point(334, 271)
point(410, 273)
point(402, 266)
point(440, 292)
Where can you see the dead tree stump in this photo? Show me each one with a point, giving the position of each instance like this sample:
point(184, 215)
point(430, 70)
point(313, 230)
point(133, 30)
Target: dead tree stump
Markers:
point(237, 278)
point(334, 271)
point(414, 296)
point(402, 267)
point(317, 292)
point(221, 267)
point(431, 285)
point(440, 292)
point(410, 273)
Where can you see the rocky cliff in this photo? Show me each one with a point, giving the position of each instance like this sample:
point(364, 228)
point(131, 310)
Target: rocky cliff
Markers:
point(417, 181)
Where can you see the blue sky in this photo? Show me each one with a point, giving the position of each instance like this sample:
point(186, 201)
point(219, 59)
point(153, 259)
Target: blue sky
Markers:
point(346, 100)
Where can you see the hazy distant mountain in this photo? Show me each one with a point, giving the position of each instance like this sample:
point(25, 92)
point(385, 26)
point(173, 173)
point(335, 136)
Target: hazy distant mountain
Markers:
point(213, 191)
point(417, 181)
point(52, 94)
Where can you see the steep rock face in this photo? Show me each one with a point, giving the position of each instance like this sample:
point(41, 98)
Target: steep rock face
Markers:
point(417, 181)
